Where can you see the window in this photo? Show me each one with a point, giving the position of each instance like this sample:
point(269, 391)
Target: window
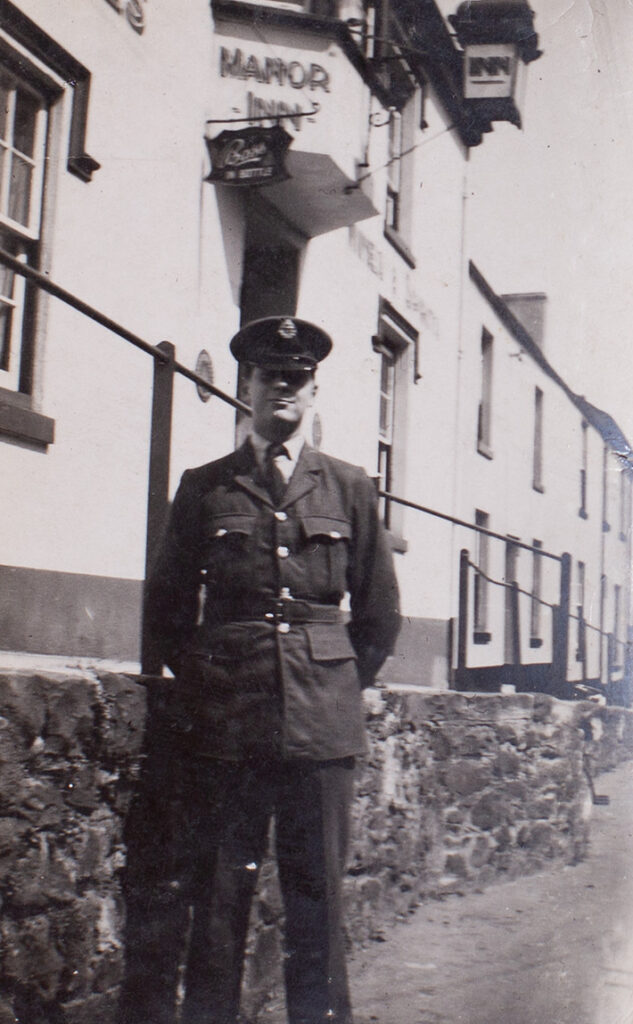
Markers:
point(512, 647)
point(270, 281)
point(536, 606)
point(617, 591)
point(484, 420)
point(584, 456)
point(36, 75)
point(537, 461)
point(625, 504)
point(616, 645)
point(605, 489)
point(399, 210)
point(482, 636)
point(581, 653)
point(23, 119)
point(394, 172)
point(385, 423)
point(394, 343)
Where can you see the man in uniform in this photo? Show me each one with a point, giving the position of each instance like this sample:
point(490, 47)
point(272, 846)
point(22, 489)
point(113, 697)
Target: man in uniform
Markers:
point(266, 716)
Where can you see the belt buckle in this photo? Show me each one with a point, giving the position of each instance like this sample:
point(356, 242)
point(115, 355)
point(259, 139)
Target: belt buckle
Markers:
point(276, 615)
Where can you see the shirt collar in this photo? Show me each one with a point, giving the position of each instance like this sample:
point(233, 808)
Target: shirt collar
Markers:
point(293, 445)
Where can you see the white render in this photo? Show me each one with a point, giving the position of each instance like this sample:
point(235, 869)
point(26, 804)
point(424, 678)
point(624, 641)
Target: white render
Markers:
point(152, 245)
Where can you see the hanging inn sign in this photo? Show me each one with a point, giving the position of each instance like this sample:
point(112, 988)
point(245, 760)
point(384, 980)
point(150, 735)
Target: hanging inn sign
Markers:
point(249, 156)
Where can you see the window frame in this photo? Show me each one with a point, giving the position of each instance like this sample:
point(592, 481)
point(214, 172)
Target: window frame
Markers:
point(581, 640)
point(536, 607)
point(20, 417)
point(606, 525)
point(400, 171)
point(484, 414)
point(395, 340)
point(22, 240)
point(625, 503)
point(537, 458)
point(584, 467)
point(481, 634)
point(34, 56)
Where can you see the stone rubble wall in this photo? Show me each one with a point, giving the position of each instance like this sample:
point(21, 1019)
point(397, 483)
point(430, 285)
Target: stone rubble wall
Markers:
point(457, 790)
point(68, 748)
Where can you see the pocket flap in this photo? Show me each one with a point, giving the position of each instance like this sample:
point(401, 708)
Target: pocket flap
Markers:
point(329, 642)
point(232, 522)
point(326, 526)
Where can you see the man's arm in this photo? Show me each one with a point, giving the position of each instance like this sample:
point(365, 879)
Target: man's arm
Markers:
point(372, 584)
point(171, 610)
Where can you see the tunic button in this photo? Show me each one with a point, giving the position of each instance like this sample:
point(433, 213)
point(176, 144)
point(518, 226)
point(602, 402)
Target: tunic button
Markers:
point(283, 627)
point(281, 516)
point(283, 551)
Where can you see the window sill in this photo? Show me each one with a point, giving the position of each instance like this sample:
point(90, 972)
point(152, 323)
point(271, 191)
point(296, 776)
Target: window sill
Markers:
point(399, 244)
point(536, 641)
point(482, 638)
point(484, 450)
point(398, 544)
point(20, 422)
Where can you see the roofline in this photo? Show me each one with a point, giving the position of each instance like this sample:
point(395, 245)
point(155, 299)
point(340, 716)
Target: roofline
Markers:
point(525, 339)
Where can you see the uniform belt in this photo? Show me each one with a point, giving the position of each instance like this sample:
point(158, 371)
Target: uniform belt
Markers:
point(285, 610)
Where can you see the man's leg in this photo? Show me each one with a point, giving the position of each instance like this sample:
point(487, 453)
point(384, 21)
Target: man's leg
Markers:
point(312, 828)
point(157, 888)
point(239, 798)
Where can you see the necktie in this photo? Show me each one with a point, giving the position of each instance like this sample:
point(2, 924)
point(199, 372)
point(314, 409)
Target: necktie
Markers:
point(273, 477)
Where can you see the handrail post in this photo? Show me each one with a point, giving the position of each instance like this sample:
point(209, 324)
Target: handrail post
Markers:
point(462, 621)
point(561, 631)
point(516, 623)
point(582, 642)
point(158, 486)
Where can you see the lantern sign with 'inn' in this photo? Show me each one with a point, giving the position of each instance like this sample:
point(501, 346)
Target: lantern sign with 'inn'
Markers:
point(250, 156)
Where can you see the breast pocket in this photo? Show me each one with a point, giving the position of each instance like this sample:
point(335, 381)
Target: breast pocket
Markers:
point(326, 545)
point(227, 544)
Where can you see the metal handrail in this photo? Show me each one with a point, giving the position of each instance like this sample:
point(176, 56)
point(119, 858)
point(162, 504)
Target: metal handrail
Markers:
point(82, 307)
point(469, 526)
point(162, 357)
point(546, 604)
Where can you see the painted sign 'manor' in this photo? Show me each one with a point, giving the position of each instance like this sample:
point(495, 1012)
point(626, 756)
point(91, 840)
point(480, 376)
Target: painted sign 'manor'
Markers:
point(273, 70)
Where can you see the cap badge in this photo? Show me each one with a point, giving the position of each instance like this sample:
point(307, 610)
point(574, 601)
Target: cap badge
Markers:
point(287, 329)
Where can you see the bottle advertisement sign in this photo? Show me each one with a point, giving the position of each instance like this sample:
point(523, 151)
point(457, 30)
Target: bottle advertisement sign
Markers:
point(249, 156)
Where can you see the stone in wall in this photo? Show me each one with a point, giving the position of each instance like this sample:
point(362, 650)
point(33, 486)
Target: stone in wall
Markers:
point(69, 744)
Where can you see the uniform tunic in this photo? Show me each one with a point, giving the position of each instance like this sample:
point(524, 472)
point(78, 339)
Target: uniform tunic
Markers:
point(270, 666)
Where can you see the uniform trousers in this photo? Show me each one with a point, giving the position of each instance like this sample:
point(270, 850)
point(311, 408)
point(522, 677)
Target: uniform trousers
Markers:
point(196, 836)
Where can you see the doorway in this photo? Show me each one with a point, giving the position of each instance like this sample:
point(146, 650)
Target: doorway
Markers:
point(270, 277)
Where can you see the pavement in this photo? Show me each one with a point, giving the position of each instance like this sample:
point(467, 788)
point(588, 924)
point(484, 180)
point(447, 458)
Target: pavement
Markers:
point(550, 948)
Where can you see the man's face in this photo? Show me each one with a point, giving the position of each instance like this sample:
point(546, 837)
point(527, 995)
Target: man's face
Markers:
point(279, 400)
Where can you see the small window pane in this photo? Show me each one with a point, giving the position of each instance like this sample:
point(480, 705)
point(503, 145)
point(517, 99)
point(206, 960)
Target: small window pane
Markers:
point(5, 99)
point(20, 190)
point(6, 281)
point(26, 108)
point(6, 316)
